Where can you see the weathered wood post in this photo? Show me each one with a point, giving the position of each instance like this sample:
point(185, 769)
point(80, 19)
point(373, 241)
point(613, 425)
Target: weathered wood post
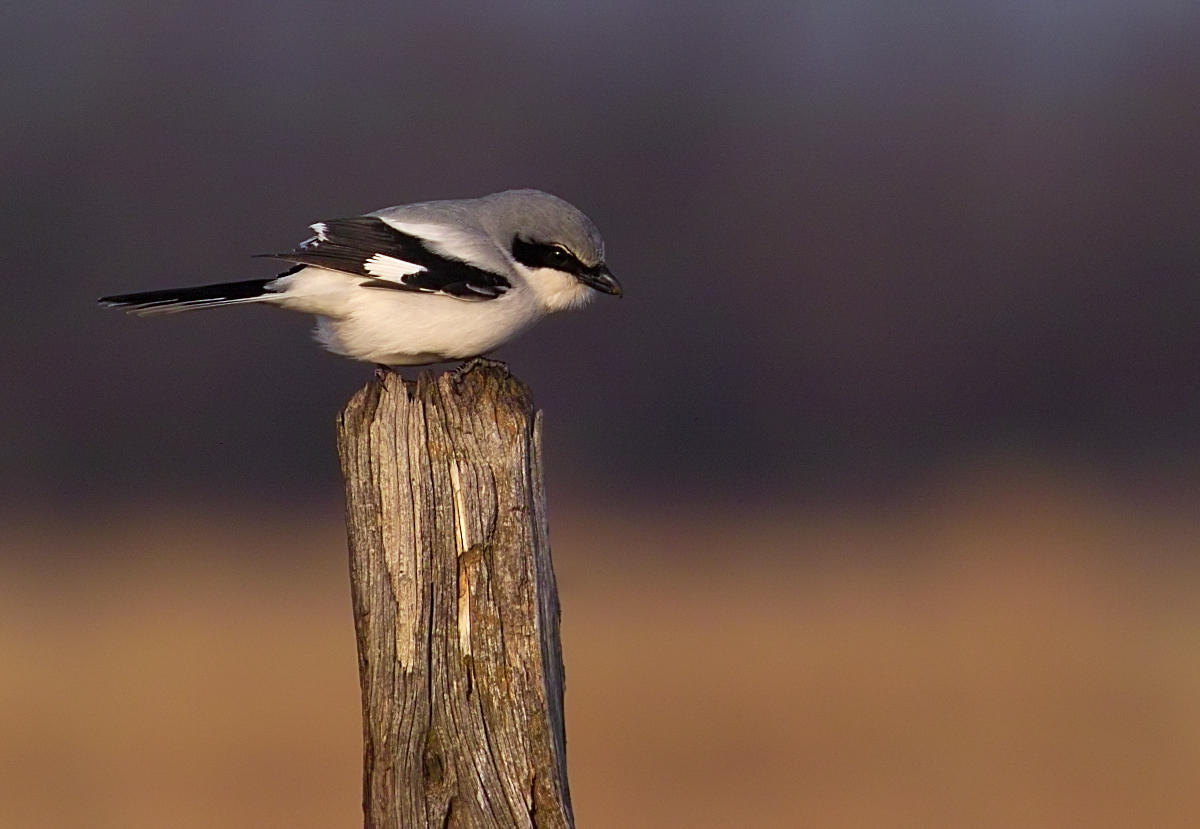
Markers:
point(455, 605)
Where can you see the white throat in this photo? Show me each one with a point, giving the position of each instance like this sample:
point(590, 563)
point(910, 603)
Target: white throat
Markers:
point(555, 290)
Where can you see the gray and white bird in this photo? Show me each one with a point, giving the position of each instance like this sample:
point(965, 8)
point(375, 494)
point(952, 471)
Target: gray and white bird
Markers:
point(421, 283)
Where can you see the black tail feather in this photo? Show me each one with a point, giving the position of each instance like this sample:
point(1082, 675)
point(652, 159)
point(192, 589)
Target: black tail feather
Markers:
point(185, 299)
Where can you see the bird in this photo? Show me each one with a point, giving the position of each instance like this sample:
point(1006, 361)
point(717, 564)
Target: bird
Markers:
point(423, 283)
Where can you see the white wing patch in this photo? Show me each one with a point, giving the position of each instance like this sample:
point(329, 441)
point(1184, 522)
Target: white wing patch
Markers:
point(389, 267)
point(321, 231)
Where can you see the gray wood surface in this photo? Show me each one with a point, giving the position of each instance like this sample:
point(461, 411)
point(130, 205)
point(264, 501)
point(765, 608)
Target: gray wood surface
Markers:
point(455, 605)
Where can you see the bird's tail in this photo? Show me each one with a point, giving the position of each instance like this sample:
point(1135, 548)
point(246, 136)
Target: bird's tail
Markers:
point(171, 300)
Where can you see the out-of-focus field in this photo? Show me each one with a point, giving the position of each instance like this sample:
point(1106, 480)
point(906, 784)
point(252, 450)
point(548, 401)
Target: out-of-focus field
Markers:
point(1017, 652)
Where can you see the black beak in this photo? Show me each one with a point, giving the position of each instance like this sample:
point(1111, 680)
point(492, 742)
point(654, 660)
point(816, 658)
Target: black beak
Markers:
point(600, 279)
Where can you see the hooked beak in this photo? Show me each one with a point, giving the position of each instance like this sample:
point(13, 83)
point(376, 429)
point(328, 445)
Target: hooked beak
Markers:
point(601, 280)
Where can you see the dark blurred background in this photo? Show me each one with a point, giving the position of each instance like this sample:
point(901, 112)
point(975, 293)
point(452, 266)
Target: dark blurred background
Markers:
point(911, 321)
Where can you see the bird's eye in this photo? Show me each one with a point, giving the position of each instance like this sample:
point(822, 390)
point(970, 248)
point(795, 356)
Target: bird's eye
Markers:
point(544, 255)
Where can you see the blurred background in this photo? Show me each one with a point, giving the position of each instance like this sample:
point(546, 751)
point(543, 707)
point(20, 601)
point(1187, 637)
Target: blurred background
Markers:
point(874, 502)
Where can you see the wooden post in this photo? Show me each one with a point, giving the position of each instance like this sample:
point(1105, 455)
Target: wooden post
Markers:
point(455, 605)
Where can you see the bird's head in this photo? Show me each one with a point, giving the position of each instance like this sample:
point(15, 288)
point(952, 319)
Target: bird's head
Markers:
point(555, 246)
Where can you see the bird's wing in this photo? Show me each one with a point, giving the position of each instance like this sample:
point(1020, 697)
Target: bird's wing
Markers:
point(369, 247)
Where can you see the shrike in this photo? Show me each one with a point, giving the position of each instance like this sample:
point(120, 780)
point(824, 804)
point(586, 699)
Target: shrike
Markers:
point(421, 283)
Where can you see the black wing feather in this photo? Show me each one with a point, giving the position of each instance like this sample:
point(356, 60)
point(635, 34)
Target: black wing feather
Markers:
point(347, 245)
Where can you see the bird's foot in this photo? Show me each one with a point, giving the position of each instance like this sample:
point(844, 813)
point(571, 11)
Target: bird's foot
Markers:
point(477, 362)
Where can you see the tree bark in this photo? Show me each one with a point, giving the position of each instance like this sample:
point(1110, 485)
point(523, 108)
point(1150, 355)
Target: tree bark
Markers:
point(455, 605)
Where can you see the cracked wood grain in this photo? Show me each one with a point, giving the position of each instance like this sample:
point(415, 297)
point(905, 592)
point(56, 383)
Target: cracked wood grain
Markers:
point(455, 606)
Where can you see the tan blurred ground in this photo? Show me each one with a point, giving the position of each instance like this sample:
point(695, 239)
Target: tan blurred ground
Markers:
point(1021, 651)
